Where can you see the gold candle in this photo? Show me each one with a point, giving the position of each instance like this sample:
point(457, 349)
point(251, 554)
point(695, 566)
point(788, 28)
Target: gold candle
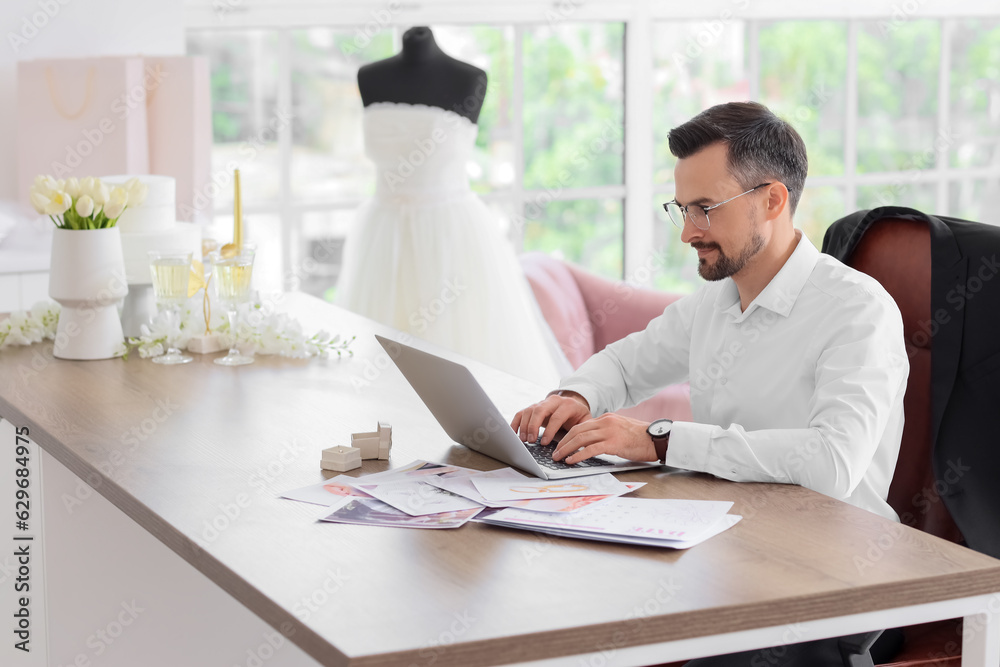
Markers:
point(237, 214)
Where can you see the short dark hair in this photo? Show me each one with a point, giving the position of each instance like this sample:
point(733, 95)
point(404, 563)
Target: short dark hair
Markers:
point(761, 146)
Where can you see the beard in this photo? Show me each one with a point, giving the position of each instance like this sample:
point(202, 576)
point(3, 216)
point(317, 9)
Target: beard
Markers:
point(726, 266)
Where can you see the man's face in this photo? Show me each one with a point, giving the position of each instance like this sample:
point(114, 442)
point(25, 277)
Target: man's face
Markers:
point(734, 236)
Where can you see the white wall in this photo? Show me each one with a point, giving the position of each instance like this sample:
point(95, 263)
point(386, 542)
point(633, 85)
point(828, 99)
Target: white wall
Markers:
point(75, 28)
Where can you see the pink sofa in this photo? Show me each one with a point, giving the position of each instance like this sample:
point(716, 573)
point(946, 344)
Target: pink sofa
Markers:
point(587, 312)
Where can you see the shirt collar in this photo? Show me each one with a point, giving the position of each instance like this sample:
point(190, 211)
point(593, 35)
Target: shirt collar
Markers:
point(780, 294)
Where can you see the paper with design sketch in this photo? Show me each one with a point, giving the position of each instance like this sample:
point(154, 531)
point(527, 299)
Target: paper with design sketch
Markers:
point(727, 522)
point(463, 486)
point(661, 519)
point(329, 492)
point(419, 499)
point(497, 489)
point(373, 512)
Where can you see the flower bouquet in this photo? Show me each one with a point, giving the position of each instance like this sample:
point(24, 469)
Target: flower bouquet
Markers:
point(84, 203)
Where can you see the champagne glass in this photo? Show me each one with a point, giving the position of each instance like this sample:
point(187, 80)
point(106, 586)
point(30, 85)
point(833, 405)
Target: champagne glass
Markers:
point(232, 287)
point(171, 271)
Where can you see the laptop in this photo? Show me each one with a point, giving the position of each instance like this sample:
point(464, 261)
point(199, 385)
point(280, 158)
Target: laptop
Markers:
point(470, 418)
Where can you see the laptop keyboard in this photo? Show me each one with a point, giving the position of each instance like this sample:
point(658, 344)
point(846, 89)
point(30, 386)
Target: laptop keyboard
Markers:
point(543, 456)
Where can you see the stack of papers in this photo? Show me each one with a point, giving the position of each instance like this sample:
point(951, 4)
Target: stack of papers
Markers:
point(431, 495)
point(677, 524)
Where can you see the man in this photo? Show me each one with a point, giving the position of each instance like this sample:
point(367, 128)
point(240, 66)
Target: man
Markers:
point(797, 362)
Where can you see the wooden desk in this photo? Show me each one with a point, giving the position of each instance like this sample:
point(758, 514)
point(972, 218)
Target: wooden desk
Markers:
point(196, 455)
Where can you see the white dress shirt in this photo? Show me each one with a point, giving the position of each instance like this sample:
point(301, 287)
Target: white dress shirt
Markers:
point(804, 387)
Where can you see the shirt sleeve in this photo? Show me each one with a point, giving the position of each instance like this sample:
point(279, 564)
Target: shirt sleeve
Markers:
point(860, 377)
point(636, 367)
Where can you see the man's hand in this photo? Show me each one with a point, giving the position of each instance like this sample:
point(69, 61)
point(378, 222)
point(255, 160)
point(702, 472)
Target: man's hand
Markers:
point(554, 413)
point(608, 434)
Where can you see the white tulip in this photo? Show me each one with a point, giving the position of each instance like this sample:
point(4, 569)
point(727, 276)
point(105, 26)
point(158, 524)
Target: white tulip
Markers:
point(84, 206)
point(41, 192)
point(58, 204)
point(38, 201)
point(73, 188)
point(97, 190)
point(137, 191)
point(116, 203)
point(44, 184)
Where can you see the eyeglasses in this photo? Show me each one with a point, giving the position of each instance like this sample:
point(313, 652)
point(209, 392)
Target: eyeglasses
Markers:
point(697, 214)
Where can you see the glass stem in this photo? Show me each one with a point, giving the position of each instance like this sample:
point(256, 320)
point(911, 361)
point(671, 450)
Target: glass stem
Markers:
point(173, 315)
point(231, 314)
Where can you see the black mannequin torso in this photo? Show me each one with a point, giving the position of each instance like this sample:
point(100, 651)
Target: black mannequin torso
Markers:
point(423, 74)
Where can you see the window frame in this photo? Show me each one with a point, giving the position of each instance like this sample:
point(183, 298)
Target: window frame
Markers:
point(637, 191)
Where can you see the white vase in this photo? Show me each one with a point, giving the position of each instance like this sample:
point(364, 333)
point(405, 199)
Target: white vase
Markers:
point(87, 278)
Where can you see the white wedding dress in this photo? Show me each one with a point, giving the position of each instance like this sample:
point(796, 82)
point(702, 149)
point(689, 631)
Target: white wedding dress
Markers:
point(426, 255)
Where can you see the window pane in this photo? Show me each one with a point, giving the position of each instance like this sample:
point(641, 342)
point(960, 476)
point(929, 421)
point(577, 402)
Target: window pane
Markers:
point(676, 264)
point(817, 208)
point(921, 196)
point(975, 92)
point(328, 160)
point(803, 78)
point(574, 90)
point(977, 200)
point(492, 50)
point(265, 231)
point(696, 65)
point(588, 232)
point(322, 246)
point(244, 81)
point(898, 66)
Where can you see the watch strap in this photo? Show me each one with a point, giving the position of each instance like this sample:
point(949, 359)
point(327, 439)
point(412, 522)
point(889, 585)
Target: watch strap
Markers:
point(660, 444)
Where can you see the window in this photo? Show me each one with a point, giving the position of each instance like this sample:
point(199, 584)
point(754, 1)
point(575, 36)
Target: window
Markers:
point(893, 109)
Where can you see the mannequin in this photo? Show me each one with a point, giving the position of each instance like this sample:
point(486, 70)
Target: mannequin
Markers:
point(424, 74)
point(426, 255)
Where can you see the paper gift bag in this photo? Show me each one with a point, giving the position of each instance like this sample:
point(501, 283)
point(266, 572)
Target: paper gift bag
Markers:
point(179, 114)
point(81, 117)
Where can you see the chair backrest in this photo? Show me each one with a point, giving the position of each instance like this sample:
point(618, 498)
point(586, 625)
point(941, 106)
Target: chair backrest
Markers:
point(897, 253)
point(587, 312)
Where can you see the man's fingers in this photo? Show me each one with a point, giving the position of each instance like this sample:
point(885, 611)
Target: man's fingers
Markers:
point(556, 421)
point(516, 421)
point(581, 435)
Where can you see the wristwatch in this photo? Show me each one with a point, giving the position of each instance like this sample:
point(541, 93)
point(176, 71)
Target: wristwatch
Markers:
point(659, 431)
